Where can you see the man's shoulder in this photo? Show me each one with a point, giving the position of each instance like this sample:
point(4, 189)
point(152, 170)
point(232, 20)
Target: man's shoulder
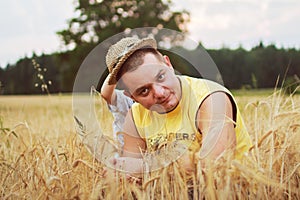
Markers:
point(202, 83)
point(137, 107)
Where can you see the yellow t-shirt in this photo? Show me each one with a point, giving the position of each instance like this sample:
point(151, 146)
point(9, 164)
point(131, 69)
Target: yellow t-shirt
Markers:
point(180, 123)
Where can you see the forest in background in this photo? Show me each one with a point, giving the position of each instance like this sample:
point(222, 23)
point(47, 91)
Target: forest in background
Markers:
point(264, 66)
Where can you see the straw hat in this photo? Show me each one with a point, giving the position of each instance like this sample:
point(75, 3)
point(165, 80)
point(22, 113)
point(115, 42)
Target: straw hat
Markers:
point(119, 52)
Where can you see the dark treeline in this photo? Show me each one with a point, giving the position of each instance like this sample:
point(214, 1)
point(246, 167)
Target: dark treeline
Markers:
point(96, 21)
point(259, 67)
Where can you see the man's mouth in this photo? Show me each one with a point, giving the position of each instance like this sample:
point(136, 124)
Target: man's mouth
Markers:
point(166, 100)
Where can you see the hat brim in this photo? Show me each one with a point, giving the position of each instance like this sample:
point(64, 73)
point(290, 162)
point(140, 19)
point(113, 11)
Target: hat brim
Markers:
point(143, 43)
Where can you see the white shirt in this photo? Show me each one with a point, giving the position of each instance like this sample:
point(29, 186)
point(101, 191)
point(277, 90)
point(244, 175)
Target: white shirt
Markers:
point(119, 112)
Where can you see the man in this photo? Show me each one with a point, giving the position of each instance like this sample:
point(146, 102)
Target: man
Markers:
point(198, 113)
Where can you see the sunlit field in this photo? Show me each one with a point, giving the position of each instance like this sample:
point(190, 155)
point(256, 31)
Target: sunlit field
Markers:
point(42, 157)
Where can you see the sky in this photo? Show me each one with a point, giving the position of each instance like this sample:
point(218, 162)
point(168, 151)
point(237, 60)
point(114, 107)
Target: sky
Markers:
point(31, 25)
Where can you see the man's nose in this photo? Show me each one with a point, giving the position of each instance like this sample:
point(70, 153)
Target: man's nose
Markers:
point(158, 91)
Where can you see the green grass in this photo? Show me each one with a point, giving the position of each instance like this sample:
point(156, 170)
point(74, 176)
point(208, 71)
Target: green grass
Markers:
point(253, 92)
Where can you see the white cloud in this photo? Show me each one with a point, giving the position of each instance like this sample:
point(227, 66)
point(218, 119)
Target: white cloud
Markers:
point(234, 22)
point(29, 44)
point(31, 25)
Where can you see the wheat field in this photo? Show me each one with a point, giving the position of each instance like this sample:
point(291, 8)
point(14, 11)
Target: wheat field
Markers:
point(41, 156)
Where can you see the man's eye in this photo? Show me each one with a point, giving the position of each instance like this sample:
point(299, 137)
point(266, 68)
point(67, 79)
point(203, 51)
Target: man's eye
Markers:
point(144, 91)
point(161, 76)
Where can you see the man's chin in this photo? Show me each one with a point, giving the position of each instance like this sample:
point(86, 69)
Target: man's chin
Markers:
point(158, 108)
point(162, 109)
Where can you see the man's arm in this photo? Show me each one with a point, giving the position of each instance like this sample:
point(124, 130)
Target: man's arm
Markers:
point(134, 145)
point(130, 161)
point(215, 121)
point(108, 92)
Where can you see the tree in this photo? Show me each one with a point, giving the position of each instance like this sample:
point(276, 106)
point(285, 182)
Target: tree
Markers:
point(100, 19)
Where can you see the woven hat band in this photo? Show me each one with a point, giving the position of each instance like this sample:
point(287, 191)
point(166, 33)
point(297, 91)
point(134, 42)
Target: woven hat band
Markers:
point(119, 52)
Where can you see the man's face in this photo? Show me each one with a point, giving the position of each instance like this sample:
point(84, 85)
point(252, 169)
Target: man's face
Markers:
point(154, 84)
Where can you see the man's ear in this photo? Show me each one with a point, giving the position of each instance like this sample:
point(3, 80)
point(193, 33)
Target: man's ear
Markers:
point(127, 93)
point(167, 61)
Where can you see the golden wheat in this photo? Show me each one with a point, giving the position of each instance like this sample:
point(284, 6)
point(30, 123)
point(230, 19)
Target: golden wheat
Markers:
point(41, 157)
